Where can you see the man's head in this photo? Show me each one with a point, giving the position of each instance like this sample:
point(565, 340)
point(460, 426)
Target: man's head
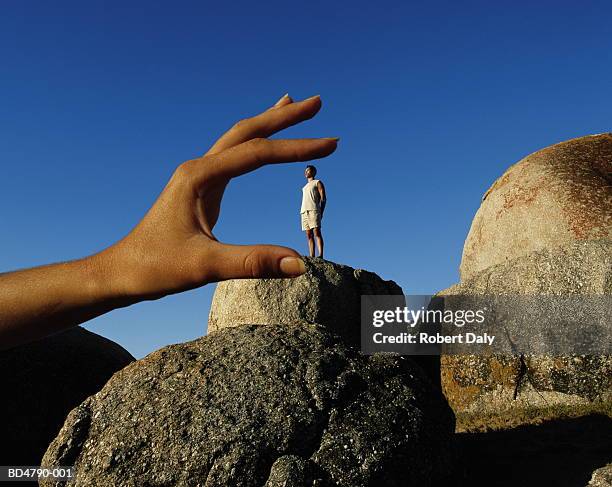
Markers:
point(310, 171)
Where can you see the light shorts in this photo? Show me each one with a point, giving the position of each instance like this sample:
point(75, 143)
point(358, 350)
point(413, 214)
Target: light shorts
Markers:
point(310, 219)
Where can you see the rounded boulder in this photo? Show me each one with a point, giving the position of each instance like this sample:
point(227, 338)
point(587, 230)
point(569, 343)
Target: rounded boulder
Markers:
point(552, 197)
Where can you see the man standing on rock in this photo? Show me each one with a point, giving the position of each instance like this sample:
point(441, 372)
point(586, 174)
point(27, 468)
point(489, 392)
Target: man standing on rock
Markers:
point(172, 249)
point(313, 206)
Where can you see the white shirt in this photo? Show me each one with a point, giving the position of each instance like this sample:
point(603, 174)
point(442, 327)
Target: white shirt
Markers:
point(311, 199)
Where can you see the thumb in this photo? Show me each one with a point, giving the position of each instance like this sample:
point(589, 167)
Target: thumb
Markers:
point(254, 261)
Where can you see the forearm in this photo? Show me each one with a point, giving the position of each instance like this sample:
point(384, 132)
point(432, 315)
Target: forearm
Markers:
point(44, 300)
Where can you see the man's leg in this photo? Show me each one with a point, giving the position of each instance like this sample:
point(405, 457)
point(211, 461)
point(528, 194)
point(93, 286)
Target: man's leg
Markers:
point(310, 242)
point(319, 237)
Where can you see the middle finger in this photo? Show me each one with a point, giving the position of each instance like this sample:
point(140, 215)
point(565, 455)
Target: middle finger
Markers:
point(268, 123)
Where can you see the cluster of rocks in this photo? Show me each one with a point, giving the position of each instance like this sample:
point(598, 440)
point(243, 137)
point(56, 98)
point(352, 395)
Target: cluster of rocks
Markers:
point(278, 393)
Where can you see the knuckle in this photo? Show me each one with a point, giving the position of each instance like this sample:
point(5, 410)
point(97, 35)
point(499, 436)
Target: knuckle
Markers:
point(183, 171)
point(252, 264)
point(241, 123)
point(184, 174)
point(259, 149)
point(258, 143)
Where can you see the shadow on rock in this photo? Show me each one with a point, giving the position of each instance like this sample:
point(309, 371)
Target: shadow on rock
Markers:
point(563, 453)
point(43, 380)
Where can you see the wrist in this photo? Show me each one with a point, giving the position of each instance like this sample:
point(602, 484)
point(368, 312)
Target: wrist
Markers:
point(106, 281)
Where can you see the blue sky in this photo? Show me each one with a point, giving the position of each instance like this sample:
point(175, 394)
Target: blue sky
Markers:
point(432, 101)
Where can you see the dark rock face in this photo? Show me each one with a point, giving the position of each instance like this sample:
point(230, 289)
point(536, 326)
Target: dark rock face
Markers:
point(557, 453)
point(328, 294)
point(260, 405)
point(41, 382)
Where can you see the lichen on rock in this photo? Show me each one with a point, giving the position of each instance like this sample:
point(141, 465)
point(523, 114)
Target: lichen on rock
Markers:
point(553, 197)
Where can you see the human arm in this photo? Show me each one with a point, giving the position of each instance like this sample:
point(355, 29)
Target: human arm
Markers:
point(322, 196)
point(172, 249)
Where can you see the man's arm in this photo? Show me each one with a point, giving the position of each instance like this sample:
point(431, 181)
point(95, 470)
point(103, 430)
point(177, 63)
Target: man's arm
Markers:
point(172, 249)
point(322, 195)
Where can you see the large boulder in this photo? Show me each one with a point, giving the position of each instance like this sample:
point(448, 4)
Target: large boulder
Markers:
point(328, 294)
point(505, 390)
point(552, 197)
point(260, 405)
point(42, 381)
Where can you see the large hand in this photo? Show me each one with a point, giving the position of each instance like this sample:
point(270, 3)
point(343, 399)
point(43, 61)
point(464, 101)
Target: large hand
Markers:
point(173, 248)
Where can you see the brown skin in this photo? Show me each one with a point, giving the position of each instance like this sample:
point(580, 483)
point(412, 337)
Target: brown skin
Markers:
point(318, 235)
point(172, 249)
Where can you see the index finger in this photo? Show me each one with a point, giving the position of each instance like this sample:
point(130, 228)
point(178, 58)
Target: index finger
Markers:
point(256, 153)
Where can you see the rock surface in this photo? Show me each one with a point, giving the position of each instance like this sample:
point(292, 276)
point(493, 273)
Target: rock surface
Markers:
point(552, 197)
point(260, 405)
point(328, 294)
point(579, 268)
point(42, 381)
point(602, 477)
point(507, 390)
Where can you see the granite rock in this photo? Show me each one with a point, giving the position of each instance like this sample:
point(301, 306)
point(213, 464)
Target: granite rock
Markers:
point(552, 197)
point(260, 405)
point(495, 391)
point(602, 477)
point(328, 294)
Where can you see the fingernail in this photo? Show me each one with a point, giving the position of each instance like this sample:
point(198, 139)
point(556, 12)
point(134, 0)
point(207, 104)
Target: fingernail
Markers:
point(292, 266)
point(335, 139)
point(286, 95)
point(312, 97)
